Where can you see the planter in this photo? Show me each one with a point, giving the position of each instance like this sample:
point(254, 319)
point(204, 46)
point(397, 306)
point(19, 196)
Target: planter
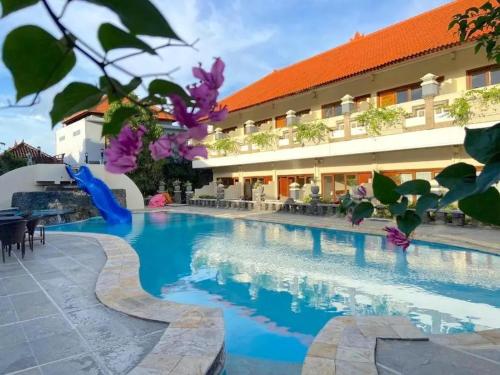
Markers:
point(440, 217)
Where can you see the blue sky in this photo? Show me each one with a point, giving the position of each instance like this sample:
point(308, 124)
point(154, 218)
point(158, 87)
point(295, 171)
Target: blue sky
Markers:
point(253, 38)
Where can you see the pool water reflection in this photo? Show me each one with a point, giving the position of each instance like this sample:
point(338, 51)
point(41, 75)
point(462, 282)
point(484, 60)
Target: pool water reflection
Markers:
point(279, 284)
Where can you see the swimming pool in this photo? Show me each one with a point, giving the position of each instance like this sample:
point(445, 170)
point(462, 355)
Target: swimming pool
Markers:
point(279, 284)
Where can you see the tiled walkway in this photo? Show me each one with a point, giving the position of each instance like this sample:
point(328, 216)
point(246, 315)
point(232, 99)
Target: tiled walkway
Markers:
point(51, 322)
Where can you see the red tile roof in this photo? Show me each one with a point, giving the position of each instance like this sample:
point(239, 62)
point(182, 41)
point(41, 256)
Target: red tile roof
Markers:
point(103, 106)
point(23, 149)
point(419, 35)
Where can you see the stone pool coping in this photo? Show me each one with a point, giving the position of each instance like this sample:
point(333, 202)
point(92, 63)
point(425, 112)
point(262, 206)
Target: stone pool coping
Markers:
point(489, 241)
point(193, 342)
point(347, 345)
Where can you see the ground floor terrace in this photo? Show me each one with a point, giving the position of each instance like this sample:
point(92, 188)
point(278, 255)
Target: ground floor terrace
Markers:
point(78, 305)
point(337, 175)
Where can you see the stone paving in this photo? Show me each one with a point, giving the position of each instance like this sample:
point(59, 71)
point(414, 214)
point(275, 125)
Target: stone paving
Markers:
point(51, 322)
point(482, 238)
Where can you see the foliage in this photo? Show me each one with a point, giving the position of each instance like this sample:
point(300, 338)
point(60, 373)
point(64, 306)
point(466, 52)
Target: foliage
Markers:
point(481, 25)
point(476, 195)
point(375, 118)
point(462, 109)
point(263, 140)
point(226, 145)
point(312, 131)
point(9, 162)
point(39, 59)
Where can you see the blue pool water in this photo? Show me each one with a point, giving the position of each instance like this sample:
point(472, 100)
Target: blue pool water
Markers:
point(279, 284)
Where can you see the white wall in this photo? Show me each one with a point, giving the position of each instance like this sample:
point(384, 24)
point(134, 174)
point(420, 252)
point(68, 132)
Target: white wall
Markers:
point(79, 137)
point(25, 179)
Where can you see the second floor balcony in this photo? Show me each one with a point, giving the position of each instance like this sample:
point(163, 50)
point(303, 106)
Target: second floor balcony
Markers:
point(420, 123)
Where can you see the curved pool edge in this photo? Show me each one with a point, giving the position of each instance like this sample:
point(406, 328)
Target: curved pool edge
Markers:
point(373, 227)
point(193, 342)
point(347, 345)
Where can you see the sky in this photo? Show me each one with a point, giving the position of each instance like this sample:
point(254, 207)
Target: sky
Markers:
point(252, 37)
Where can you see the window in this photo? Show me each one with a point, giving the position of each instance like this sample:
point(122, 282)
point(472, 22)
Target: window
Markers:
point(229, 130)
point(331, 110)
point(481, 77)
point(258, 124)
point(228, 181)
point(76, 133)
point(280, 122)
point(400, 95)
point(361, 103)
point(336, 185)
point(302, 113)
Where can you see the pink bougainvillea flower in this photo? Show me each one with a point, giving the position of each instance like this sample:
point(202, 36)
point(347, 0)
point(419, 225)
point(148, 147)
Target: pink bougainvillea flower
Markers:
point(181, 113)
point(220, 115)
point(161, 148)
point(190, 152)
point(215, 78)
point(396, 237)
point(198, 133)
point(121, 153)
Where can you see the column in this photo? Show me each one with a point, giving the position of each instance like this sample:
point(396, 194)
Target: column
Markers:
point(347, 109)
point(430, 89)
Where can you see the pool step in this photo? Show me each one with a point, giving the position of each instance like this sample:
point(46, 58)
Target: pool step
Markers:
point(346, 345)
point(242, 365)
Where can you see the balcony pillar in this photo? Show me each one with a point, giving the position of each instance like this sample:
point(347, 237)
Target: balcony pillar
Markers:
point(347, 109)
point(250, 127)
point(291, 118)
point(218, 134)
point(430, 89)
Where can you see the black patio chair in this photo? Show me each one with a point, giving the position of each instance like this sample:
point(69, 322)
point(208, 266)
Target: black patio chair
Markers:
point(13, 233)
point(31, 226)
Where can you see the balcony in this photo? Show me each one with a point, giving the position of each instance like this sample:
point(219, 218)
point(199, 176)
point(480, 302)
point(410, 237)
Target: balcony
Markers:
point(344, 135)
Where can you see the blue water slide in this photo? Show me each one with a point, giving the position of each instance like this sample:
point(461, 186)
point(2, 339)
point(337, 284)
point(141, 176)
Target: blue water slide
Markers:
point(101, 195)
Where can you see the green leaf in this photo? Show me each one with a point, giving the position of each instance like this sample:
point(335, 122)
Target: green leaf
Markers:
point(141, 17)
point(361, 211)
point(456, 174)
point(408, 222)
point(399, 208)
point(484, 207)
point(384, 189)
point(483, 144)
point(490, 175)
point(75, 97)
point(10, 6)
point(426, 202)
point(114, 88)
point(414, 187)
point(118, 118)
point(36, 59)
point(165, 88)
point(458, 192)
point(111, 37)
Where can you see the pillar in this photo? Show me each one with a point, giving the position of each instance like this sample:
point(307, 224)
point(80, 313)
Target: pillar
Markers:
point(347, 109)
point(430, 89)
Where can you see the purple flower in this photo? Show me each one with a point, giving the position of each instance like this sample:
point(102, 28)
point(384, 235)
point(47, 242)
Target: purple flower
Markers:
point(215, 78)
point(361, 191)
point(121, 153)
point(161, 148)
point(396, 237)
point(190, 152)
point(181, 112)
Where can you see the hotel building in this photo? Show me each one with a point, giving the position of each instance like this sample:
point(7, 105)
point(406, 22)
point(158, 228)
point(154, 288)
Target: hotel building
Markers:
point(417, 65)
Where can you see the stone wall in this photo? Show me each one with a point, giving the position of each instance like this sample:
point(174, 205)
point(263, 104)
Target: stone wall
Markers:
point(76, 200)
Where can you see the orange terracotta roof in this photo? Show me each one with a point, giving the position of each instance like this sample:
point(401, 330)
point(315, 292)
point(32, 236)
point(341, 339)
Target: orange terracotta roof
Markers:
point(419, 35)
point(23, 149)
point(103, 106)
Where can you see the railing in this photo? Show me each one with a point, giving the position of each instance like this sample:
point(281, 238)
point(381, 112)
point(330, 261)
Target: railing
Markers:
point(414, 120)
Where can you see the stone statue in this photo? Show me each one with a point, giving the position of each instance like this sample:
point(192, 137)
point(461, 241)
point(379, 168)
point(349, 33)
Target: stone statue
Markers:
point(189, 191)
point(177, 192)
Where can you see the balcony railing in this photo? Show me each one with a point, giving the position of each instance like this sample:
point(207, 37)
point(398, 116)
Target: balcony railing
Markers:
point(414, 120)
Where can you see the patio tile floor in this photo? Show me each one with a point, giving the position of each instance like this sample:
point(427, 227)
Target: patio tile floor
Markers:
point(51, 321)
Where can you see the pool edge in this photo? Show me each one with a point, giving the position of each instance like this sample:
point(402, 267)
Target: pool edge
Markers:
point(193, 342)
